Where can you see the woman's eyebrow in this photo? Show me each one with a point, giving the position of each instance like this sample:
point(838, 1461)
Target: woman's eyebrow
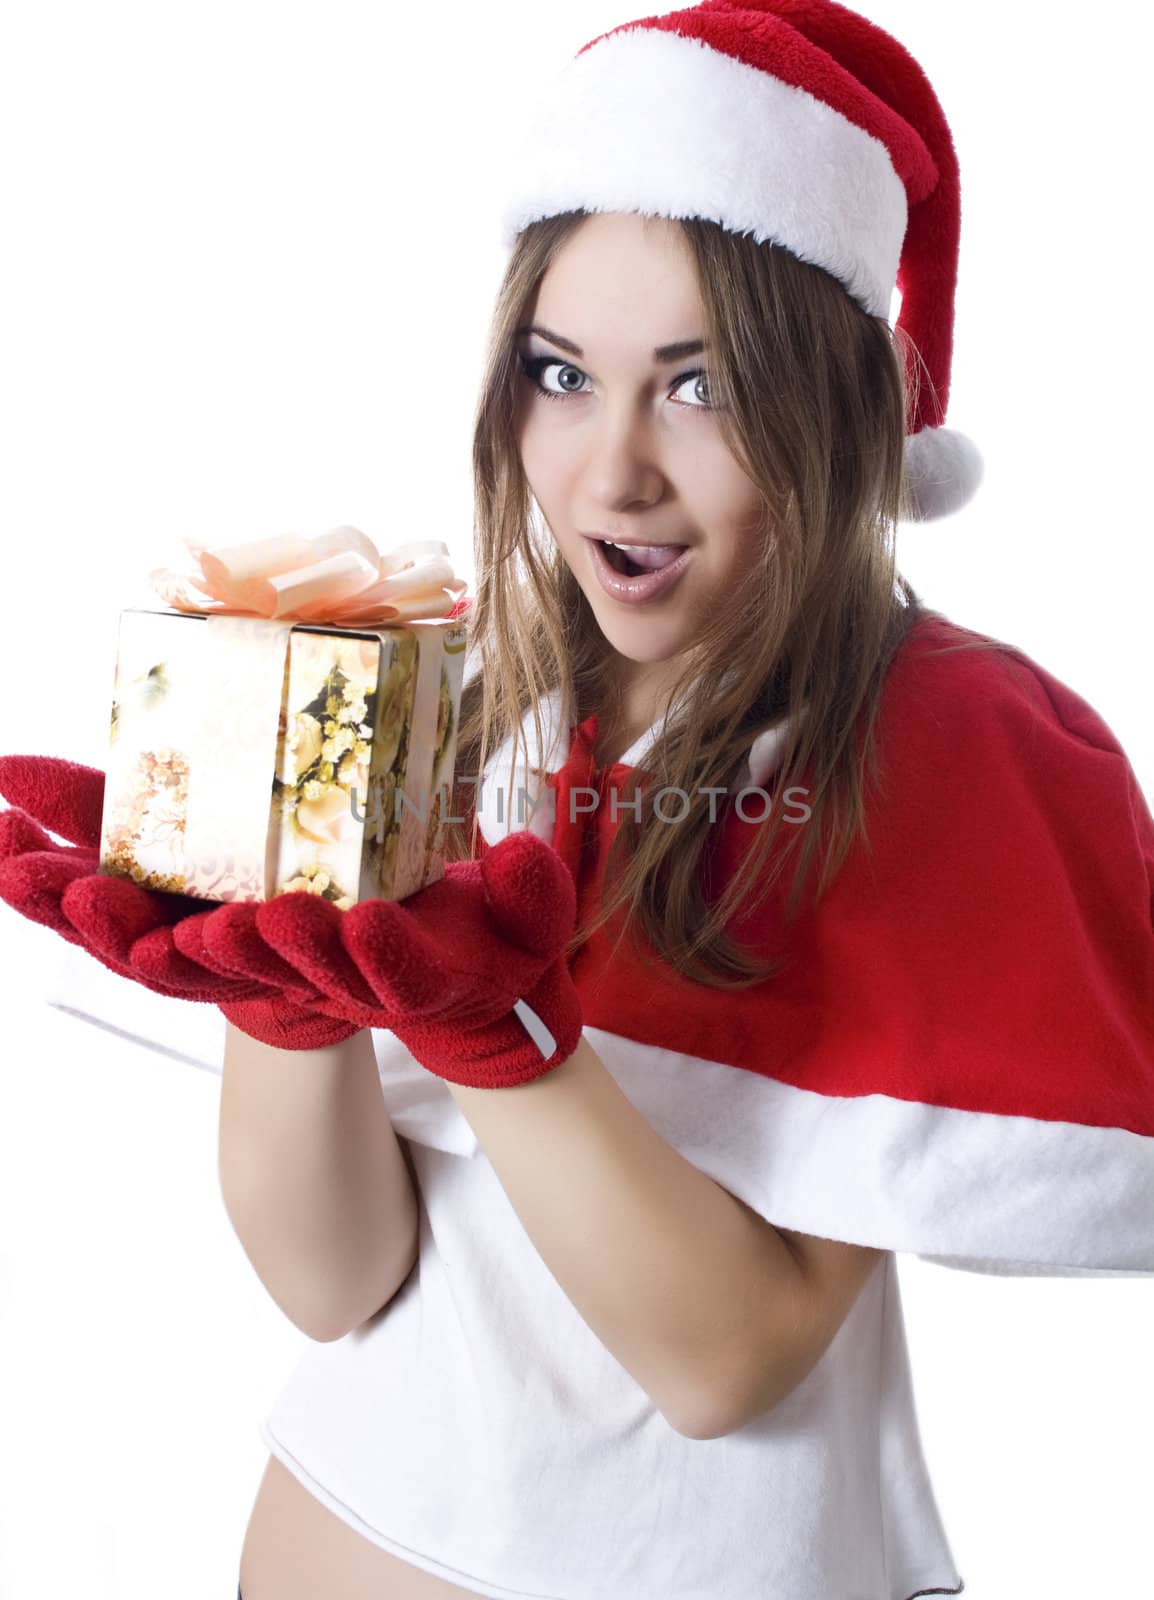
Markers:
point(664, 352)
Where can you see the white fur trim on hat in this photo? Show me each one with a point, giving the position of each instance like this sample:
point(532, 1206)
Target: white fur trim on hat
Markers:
point(653, 122)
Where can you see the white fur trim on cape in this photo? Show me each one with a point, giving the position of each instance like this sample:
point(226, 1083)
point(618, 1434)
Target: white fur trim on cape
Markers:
point(653, 122)
point(976, 1191)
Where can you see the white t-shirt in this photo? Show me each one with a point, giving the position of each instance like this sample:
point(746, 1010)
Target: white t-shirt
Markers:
point(480, 1431)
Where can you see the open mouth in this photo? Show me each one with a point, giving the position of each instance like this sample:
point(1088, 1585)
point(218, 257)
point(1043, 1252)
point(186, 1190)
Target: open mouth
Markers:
point(654, 559)
point(619, 561)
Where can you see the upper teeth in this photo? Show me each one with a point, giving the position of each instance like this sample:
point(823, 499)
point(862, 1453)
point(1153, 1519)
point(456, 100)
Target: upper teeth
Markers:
point(617, 546)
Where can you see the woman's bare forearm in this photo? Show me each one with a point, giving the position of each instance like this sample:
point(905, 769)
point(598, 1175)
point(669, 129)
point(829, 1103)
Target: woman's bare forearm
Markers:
point(314, 1180)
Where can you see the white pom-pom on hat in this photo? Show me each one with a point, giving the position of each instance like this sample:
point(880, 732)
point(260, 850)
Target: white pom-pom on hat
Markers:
point(943, 469)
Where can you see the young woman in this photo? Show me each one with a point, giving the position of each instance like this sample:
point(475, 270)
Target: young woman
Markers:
point(792, 925)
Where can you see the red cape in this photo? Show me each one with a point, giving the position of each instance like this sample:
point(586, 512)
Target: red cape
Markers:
point(958, 1058)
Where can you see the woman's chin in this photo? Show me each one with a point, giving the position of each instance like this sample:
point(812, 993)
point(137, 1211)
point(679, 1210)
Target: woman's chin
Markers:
point(643, 642)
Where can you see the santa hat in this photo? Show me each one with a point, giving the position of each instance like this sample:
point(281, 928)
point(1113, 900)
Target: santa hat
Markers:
point(796, 121)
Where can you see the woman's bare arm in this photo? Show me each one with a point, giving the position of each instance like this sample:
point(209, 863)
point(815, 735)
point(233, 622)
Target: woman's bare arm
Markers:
point(716, 1313)
point(314, 1180)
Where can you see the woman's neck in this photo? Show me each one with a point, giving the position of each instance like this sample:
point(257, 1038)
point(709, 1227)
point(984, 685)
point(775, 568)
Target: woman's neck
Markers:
point(612, 742)
point(630, 709)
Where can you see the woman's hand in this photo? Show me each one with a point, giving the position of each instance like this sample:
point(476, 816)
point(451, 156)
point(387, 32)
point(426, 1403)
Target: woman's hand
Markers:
point(154, 938)
point(452, 969)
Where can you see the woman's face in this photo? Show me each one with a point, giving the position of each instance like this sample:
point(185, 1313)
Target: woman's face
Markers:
point(625, 441)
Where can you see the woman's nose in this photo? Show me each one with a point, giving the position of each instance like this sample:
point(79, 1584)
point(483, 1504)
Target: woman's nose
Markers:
point(623, 458)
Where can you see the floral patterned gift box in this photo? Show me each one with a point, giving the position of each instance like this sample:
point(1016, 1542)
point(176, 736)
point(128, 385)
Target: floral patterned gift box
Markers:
point(294, 727)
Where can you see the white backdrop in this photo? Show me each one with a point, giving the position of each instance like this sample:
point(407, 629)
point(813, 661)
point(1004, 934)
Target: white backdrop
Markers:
point(249, 256)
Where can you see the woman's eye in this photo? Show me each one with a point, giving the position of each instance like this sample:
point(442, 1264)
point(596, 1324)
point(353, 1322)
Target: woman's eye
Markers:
point(697, 377)
point(534, 366)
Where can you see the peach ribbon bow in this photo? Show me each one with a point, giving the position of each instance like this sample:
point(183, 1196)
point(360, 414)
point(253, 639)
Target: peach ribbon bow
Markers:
point(339, 578)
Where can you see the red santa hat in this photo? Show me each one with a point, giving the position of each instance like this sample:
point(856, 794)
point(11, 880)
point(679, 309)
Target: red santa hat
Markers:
point(796, 121)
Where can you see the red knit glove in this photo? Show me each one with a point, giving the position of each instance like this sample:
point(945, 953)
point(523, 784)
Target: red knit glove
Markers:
point(464, 972)
point(151, 937)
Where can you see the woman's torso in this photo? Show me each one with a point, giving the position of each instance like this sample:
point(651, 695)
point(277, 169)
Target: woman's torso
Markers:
point(295, 1548)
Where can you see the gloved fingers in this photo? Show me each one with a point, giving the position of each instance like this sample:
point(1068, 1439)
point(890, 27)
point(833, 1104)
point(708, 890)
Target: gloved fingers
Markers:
point(228, 941)
point(531, 895)
point(109, 917)
point(21, 834)
point(443, 954)
point(62, 795)
point(399, 957)
point(156, 956)
point(306, 930)
point(123, 970)
point(36, 883)
point(110, 913)
point(33, 884)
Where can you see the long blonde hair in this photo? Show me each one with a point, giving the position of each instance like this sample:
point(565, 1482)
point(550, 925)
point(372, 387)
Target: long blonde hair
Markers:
point(812, 403)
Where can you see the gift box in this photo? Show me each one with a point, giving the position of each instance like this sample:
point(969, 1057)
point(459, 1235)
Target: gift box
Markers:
point(291, 726)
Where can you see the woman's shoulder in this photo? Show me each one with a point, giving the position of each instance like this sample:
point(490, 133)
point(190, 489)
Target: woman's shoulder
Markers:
point(988, 763)
point(957, 684)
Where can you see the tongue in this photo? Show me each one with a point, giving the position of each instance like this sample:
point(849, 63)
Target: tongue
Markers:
point(653, 557)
